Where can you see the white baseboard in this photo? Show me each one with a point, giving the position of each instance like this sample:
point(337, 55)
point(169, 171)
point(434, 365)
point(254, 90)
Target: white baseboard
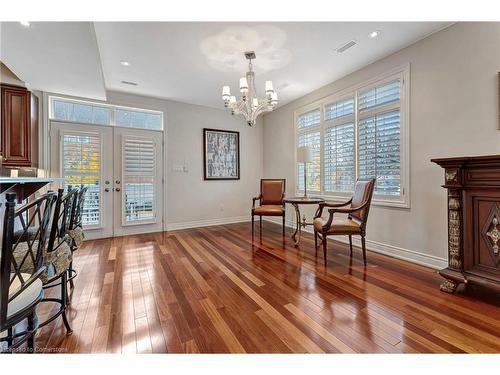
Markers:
point(412, 256)
point(207, 223)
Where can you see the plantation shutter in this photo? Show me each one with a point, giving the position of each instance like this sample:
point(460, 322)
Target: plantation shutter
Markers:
point(339, 158)
point(138, 179)
point(381, 95)
point(309, 135)
point(81, 165)
point(379, 140)
point(339, 109)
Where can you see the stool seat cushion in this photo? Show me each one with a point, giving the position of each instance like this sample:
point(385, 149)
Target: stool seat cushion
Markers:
point(77, 235)
point(32, 293)
point(56, 262)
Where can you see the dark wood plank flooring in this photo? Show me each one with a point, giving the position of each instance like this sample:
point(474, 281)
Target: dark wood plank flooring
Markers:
point(210, 290)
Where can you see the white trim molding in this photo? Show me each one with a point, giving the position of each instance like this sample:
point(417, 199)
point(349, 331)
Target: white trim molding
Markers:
point(207, 222)
point(412, 256)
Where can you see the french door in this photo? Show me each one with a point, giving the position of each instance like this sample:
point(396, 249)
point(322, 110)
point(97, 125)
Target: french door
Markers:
point(123, 171)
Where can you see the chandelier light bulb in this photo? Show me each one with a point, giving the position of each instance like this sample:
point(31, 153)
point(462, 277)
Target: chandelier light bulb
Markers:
point(243, 85)
point(274, 98)
point(269, 87)
point(226, 93)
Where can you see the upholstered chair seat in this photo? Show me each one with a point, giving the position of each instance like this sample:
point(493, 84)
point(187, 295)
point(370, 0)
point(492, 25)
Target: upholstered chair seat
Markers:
point(28, 296)
point(269, 210)
point(56, 262)
point(340, 226)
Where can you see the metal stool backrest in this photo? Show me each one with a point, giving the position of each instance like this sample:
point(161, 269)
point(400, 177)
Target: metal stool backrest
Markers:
point(77, 209)
point(35, 214)
point(61, 221)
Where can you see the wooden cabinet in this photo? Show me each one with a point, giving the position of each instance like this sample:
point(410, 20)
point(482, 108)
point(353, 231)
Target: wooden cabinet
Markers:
point(16, 123)
point(473, 185)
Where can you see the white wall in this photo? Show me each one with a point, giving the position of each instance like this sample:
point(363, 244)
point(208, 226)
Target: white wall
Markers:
point(454, 111)
point(191, 201)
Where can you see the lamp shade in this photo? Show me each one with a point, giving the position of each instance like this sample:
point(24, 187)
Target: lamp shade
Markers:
point(304, 154)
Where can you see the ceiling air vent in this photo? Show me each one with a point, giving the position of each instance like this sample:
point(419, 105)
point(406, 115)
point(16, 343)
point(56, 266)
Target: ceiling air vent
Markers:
point(129, 83)
point(346, 46)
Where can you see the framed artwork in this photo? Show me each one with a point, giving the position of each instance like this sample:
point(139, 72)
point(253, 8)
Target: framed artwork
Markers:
point(221, 154)
point(498, 100)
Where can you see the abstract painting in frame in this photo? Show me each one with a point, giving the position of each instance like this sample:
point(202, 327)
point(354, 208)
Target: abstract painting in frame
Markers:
point(221, 154)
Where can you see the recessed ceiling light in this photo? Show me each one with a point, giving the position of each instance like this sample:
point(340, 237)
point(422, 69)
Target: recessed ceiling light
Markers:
point(25, 23)
point(374, 34)
point(129, 83)
point(125, 63)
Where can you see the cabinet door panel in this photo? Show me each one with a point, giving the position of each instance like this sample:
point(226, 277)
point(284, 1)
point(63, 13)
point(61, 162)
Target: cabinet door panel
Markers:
point(16, 123)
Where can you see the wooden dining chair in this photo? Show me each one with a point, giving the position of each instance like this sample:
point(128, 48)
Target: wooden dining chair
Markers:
point(353, 224)
point(272, 194)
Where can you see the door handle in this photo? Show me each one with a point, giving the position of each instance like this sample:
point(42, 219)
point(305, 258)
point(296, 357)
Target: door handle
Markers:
point(117, 189)
point(106, 190)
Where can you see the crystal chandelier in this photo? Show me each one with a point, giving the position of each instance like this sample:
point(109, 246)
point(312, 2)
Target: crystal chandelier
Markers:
point(250, 105)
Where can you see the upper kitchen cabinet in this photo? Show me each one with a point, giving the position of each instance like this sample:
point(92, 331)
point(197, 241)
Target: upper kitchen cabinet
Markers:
point(19, 112)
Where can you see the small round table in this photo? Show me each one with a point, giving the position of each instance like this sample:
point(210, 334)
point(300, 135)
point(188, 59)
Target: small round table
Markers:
point(301, 223)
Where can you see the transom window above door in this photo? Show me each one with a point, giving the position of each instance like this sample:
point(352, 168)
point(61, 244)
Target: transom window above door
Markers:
point(361, 132)
point(86, 112)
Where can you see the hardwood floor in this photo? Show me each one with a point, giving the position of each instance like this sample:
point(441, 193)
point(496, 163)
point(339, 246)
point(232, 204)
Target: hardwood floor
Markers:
point(210, 290)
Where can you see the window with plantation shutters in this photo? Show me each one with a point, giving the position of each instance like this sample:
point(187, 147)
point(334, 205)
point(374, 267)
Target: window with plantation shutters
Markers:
point(81, 166)
point(313, 169)
point(379, 95)
point(339, 109)
point(359, 134)
point(138, 180)
point(310, 135)
point(339, 158)
point(380, 152)
point(309, 119)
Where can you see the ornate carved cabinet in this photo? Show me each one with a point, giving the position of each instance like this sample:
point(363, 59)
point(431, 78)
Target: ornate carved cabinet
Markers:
point(473, 185)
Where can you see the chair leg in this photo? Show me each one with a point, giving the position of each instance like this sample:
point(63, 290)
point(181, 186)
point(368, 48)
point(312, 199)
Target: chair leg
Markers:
point(252, 224)
point(260, 228)
point(31, 327)
point(283, 225)
point(324, 247)
point(363, 245)
point(10, 340)
point(71, 284)
point(316, 242)
point(64, 296)
point(350, 243)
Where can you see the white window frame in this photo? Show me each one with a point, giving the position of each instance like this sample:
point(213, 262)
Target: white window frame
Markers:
point(112, 107)
point(401, 72)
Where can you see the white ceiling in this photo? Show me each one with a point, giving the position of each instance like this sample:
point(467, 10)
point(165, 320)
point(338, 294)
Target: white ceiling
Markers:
point(190, 62)
point(55, 57)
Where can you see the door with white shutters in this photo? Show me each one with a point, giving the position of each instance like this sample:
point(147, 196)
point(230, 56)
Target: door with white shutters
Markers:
point(122, 169)
point(83, 155)
point(138, 197)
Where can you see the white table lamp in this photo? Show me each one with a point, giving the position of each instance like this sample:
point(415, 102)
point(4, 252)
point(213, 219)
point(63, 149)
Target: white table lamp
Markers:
point(304, 155)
